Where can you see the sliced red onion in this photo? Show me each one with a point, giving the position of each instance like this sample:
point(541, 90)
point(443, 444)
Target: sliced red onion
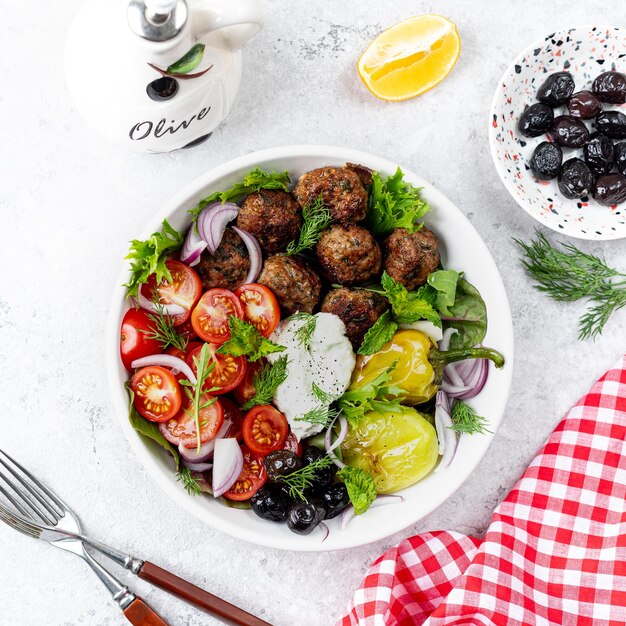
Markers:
point(473, 384)
point(167, 434)
point(213, 220)
point(325, 530)
point(203, 224)
point(168, 309)
point(227, 465)
point(392, 498)
point(166, 360)
point(254, 252)
point(443, 424)
point(193, 455)
point(343, 431)
point(444, 344)
point(198, 467)
point(193, 247)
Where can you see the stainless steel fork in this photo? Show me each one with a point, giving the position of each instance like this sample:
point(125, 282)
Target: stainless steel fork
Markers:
point(41, 514)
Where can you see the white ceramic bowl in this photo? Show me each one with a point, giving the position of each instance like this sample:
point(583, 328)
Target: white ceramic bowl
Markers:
point(462, 248)
point(585, 52)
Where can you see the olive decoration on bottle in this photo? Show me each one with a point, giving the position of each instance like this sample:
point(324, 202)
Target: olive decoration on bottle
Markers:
point(162, 88)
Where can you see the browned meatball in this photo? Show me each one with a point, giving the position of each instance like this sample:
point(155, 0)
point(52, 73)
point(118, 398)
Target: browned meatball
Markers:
point(228, 266)
point(363, 172)
point(296, 286)
point(349, 254)
point(341, 189)
point(410, 257)
point(273, 216)
point(357, 308)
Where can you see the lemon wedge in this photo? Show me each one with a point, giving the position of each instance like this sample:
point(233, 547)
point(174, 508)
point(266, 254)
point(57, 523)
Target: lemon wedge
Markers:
point(410, 58)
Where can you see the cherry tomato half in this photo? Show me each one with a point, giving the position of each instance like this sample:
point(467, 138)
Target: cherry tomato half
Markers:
point(235, 415)
point(157, 393)
point(135, 342)
point(182, 426)
point(265, 429)
point(251, 479)
point(210, 317)
point(228, 371)
point(184, 289)
point(192, 345)
point(245, 391)
point(260, 307)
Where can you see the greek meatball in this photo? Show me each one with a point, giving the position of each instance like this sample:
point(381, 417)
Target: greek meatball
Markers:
point(273, 217)
point(358, 309)
point(296, 286)
point(411, 257)
point(341, 189)
point(349, 254)
point(228, 266)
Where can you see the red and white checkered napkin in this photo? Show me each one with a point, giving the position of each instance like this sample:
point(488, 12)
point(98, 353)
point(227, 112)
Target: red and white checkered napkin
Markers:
point(554, 553)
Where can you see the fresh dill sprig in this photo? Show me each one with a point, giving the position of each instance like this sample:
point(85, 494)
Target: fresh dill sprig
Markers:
point(163, 329)
point(323, 396)
point(303, 478)
point(321, 415)
point(304, 333)
point(568, 274)
point(466, 420)
point(316, 218)
point(191, 485)
point(266, 381)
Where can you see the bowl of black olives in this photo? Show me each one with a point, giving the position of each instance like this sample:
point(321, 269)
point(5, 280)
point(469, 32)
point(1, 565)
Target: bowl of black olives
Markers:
point(558, 131)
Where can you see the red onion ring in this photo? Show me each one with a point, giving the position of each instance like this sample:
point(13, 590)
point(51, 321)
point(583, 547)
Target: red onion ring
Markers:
point(392, 498)
point(203, 224)
point(227, 465)
point(343, 431)
point(254, 252)
point(477, 377)
point(166, 360)
point(325, 530)
point(443, 424)
point(213, 220)
point(193, 247)
point(192, 455)
point(198, 467)
point(168, 309)
point(444, 344)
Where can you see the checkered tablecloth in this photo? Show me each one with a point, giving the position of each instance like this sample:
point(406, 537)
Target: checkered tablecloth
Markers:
point(554, 553)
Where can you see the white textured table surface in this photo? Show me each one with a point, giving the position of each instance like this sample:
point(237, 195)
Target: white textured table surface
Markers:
point(69, 203)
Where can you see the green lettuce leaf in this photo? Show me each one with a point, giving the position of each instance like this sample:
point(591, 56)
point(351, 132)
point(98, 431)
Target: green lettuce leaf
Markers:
point(444, 281)
point(468, 315)
point(361, 487)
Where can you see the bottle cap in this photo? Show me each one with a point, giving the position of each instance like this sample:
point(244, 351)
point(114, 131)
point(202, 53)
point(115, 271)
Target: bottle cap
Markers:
point(157, 20)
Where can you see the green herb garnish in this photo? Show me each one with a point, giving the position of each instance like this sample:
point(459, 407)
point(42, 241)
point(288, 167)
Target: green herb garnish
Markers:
point(149, 257)
point(410, 306)
point(568, 274)
point(379, 334)
point(304, 333)
point(361, 487)
point(316, 218)
point(323, 396)
point(303, 478)
point(468, 315)
point(188, 61)
point(444, 282)
point(163, 329)
point(466, 420)
point(254, 181)
point(266, 381)
point(191, 485)
point(246, 340)
point(321, 415)
point(394, 203)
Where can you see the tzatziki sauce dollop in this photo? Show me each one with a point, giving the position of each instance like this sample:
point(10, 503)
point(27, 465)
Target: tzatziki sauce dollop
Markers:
point(327, 360)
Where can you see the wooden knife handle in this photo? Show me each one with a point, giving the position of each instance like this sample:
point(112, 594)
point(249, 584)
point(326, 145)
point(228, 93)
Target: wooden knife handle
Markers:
point(194, 595)
point(139, 613)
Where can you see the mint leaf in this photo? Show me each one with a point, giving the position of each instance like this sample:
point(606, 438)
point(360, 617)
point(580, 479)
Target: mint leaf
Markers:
point(410, 306)
point(361, 487)
point(379, 334)
point(246, 340)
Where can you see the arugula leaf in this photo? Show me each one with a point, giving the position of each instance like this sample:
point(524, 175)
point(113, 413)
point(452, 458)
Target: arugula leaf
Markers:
point(246, 340)
point(266, 381)
point(466, 420)
point(468, 315)
point(379, 334)
point(361, 487)
point(149, 257)
point(189, 61)
point(150, 430)
point(410, 306)
point(255, 180)
point(444, 281)
point(316, 218)
point(394, 203)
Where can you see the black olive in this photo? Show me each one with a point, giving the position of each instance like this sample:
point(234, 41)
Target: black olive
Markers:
point(575, 179)
point(536, 120)
point(599, 155)
point(569, 131)
point(281, 463)
point(610, 189)
point(323, 475)
point(163, 88)
point(334, 500)
point(303, 517)
point(557, 89)
point(610, 87)
point(546, 160)
point(271, 503)
point(584, 104)
point(620, 157)
point(612, 124)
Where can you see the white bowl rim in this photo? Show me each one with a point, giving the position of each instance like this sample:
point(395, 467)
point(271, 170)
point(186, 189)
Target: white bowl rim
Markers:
point(120, 398)
point(539, 43)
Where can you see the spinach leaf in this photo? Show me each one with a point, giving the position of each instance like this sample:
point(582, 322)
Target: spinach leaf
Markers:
point(444, 281)
point(468, 315)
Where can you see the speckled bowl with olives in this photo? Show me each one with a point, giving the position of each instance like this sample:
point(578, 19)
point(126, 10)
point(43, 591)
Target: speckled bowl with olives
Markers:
point(558, 132)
